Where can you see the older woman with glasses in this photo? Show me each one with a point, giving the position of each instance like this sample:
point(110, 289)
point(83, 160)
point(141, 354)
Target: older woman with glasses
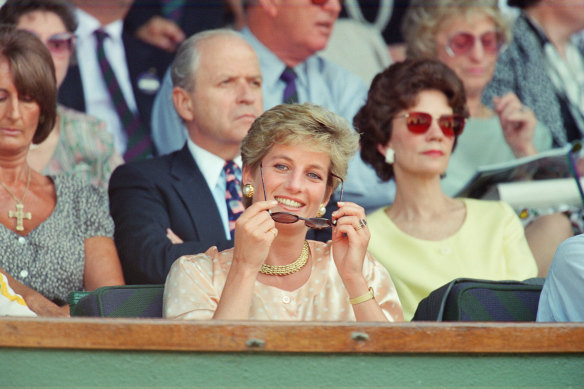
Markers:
point(79, 144)
point(294, 156)
point(412, 119)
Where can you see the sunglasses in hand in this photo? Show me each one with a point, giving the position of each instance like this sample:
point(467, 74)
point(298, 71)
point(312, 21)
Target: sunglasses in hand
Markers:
point(317, 223)
point(420, 122)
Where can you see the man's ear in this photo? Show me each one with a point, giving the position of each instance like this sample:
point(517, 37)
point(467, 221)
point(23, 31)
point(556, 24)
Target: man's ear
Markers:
point(183, 103)
point(270, 6)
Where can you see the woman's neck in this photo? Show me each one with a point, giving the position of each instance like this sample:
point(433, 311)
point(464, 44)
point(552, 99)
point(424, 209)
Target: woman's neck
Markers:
point(13, 170)
point(286, 248)
point(418, 198)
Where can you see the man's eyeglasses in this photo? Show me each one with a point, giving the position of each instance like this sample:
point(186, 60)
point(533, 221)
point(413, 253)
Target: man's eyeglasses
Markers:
point(420, 122)
point(59, 44)
point(317, 223)
point(462, 43)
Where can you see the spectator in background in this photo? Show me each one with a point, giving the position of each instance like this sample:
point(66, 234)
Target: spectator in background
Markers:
point(544, 66)
point(287, 37)
point(409, 126)
point(176, 204)
point(79, 144)
point(55, 230)
point(114, 76)
point(166, 24)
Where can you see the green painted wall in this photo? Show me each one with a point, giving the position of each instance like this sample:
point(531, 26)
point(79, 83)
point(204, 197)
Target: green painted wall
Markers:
point(31, 368)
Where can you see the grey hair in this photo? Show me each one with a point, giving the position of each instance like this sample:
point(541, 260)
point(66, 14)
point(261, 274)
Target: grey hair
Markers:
point(188, 56)
point(424, 18)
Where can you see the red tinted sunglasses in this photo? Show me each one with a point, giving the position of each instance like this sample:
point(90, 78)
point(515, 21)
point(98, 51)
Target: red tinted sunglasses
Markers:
point(420, 122)
point(462, 43)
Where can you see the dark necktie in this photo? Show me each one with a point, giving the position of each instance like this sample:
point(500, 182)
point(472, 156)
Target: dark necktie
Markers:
point(139, 142)
point(232, 195)
point(290, 92)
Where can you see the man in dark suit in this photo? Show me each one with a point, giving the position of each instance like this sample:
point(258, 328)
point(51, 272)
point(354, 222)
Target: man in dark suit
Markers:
point(136, 66)
point(174, 205)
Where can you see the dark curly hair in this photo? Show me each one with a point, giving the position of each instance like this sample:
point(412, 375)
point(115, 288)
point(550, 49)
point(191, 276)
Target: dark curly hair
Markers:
point(396, 89)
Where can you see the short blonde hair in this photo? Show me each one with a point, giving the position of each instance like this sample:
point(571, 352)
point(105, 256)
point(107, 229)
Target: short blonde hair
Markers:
point(424, 18)
point(308, 125)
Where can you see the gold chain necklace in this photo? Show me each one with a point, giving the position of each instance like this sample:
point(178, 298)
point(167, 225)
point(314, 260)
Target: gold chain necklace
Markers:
point(284, 270)
point(19, 214)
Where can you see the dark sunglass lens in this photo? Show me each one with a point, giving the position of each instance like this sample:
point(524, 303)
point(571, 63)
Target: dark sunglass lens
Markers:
point(419, 122)
point(318, 223)
point(284, 218)
point(446, 123)
point(458, 124)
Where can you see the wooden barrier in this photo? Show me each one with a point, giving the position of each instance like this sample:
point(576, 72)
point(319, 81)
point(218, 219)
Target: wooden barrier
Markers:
point(37, 352)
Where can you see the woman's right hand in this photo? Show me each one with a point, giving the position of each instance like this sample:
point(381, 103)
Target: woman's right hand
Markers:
point(518, 123)
point(254, 233)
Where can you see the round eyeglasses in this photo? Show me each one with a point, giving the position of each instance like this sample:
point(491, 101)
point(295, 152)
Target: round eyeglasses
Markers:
point(461, 43)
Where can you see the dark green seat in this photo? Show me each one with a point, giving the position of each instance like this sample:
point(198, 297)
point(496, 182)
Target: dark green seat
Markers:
point(466, 299)
point(119, 301)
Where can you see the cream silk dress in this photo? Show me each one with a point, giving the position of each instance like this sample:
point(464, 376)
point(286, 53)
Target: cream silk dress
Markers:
point(195, 283)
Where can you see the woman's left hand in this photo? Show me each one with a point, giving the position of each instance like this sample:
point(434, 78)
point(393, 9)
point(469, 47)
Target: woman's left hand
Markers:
point(350, 239)
point(518, 123)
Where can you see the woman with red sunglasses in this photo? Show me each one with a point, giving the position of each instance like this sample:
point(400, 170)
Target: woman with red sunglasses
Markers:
point(469, 38)
point(414, 114)
point(293, 158)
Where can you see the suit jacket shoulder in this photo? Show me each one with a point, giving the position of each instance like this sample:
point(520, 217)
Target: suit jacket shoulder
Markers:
point(147, 198)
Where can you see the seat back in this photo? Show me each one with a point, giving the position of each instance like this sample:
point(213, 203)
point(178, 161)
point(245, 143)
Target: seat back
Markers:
point(466, 299)
point(121, 301)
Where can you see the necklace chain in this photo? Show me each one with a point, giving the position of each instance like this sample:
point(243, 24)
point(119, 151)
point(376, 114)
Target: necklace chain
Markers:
point(284, 270)
point(19, 214)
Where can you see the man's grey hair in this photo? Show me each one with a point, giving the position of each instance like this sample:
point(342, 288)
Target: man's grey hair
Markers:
point(188, 56)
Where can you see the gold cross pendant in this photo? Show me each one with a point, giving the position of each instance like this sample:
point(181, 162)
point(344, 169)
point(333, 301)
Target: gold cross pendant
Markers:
point(19, 215)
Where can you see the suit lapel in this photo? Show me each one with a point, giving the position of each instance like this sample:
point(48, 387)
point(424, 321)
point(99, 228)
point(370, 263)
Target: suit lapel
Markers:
point(71, 90)
point(193, 190)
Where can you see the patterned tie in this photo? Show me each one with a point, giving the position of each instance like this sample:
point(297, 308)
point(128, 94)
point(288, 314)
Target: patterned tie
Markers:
point(290, 92)
point(139, 142)
point(232, 194)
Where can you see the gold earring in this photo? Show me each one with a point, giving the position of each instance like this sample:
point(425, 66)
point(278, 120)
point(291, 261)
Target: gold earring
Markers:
point(321, 211)
point(248, 190)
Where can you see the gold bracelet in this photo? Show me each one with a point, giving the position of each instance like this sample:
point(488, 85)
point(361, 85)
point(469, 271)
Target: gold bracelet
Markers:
point(366, 297)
